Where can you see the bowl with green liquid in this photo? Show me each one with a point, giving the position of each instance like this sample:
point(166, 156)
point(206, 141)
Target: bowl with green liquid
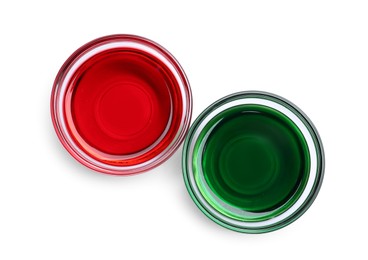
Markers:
point(253, 162)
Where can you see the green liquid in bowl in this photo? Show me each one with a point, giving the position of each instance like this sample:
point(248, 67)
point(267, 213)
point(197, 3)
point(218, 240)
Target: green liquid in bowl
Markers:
point(255, 158)
point(253, 162)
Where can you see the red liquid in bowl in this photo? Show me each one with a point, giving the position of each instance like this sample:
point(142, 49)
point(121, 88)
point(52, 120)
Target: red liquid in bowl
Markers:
point(123, 106)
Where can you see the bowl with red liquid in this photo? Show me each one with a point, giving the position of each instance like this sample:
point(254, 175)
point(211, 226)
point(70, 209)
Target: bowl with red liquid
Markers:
point(121, 104)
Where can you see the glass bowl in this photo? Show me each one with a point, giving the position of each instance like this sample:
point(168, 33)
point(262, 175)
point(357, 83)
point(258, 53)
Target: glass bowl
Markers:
point(121, 104)
point(253, 162)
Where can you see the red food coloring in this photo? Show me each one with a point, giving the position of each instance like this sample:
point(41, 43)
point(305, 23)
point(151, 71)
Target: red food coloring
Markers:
point(121, 104)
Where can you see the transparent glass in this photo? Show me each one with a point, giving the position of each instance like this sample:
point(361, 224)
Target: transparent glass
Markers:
point(253, 162)
point(121, 104)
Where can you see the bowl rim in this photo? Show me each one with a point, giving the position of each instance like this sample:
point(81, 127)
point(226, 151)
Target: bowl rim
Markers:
point(319, 170)
point(89, 47)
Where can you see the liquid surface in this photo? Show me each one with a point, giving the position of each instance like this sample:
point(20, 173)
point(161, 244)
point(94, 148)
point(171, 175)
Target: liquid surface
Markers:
point(255, 158)
point(121, 103)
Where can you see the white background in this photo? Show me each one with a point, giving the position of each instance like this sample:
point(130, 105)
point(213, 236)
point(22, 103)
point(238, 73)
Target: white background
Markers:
point(314, 53)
